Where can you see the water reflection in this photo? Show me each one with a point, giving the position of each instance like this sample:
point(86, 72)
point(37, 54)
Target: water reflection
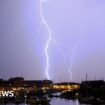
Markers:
point(58, 101)
point(55, 101)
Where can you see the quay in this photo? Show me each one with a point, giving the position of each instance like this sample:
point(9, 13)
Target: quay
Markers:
point(41, 91)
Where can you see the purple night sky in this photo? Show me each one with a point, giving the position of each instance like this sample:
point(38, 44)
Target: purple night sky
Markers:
point(77, 45)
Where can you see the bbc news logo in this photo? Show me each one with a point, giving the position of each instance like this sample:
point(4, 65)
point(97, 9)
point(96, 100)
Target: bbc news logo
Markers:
point(6, 94)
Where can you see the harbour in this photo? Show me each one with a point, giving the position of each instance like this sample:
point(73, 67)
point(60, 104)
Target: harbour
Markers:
point(54, 101)
point(46, 92)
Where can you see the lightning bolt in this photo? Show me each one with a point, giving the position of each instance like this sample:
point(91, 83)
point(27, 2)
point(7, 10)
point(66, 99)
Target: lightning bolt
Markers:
point(22, 25)
point(18, 29)
point(56, 44)
point(48, 40)
point(72, 56)
point(75, 47)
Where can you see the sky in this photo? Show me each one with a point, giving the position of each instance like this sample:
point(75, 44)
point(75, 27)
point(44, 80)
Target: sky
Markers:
point(77, 44)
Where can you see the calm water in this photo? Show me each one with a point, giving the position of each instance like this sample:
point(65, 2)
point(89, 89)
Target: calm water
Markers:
point(57, 101)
